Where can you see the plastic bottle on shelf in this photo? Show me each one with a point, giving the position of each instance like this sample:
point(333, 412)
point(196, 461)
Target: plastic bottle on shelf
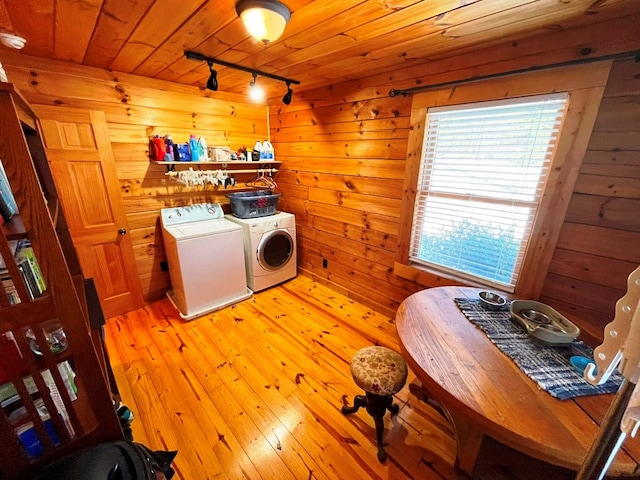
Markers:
point(158, 148)
point(202, 150)
point(170, 153)
point(267, 151)
point(257, 151)
point(193, 148)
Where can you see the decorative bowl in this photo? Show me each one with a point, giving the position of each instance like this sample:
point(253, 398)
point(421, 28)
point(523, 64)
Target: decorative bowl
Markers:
point(543, 323)
point(492, 301)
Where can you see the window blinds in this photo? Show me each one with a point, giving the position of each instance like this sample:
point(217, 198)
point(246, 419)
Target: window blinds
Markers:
point(482, 175)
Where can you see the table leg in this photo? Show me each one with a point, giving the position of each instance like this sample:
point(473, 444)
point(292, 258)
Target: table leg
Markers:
point(468, 442)
point(468, 437)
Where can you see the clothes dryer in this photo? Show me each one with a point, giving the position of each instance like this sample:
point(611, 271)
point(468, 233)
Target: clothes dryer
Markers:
point(206, 259)
point(269, 248)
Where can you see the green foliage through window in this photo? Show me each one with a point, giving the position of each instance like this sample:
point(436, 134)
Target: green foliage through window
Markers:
point(457, 247)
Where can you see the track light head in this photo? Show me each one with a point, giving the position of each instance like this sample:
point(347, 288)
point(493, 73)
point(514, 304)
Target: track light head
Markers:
point(255, 92)
point(212, 83)
point(287, 96)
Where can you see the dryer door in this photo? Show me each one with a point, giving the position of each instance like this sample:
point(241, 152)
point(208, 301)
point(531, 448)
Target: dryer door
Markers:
point(275, 250)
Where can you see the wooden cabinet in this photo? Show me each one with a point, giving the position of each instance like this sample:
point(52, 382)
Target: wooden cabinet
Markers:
point(53, 391)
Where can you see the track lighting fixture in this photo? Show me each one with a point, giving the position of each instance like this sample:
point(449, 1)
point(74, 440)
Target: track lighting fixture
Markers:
point(287, 96)
point(212, 83)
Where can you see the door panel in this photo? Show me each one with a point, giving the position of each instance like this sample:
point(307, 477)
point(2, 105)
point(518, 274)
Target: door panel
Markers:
point(96, 212)
point(79, 153)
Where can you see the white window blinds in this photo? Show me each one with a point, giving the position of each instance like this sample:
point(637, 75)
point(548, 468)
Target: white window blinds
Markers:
point(482, 175)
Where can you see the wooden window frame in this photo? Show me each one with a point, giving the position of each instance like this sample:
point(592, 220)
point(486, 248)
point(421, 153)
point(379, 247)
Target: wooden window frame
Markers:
point(585, 85)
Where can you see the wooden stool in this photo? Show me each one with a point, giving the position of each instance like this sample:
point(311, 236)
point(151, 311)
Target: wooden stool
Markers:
point(381, 373)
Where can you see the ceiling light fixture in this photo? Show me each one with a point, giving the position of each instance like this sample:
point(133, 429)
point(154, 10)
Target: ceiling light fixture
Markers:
point(255, 91)
point(264, 19)
point(12, 40)
point(213, 78)
point(212, 83)
point(287, 96)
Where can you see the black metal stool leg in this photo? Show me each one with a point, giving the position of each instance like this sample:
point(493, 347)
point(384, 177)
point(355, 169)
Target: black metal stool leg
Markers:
point(394, 408)
point(382, 455)
point(377, 406)
point(358, 402)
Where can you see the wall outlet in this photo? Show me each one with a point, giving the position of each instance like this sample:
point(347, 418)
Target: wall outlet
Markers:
point(325, 263)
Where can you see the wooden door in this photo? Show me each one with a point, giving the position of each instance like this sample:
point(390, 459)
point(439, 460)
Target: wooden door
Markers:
point(79, 153)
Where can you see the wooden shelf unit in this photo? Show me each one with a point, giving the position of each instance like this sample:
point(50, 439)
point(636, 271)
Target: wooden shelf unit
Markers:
point(78, 422)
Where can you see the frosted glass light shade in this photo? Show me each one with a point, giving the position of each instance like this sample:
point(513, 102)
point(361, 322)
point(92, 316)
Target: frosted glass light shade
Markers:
point(264, 19)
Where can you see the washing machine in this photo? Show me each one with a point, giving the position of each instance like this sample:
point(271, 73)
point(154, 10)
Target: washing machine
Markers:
point(206, 259)
point(269, 248)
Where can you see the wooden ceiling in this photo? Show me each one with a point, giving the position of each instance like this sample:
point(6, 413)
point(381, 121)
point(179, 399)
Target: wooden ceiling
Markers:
point(325, 42)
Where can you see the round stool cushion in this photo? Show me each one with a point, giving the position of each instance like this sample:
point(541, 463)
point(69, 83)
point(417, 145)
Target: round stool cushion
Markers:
point(379, 370)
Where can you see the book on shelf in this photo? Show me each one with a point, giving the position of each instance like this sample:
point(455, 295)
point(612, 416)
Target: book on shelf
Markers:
point(26, 254)
point(29, 279)
point(25, 259)
point(10, 290)
point(8, 205)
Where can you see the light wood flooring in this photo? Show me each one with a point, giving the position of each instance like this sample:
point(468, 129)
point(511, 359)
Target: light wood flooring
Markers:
point(255, 390)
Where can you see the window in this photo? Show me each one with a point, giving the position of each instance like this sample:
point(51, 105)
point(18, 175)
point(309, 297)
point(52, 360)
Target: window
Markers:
point(481, 178)
point(512, 212)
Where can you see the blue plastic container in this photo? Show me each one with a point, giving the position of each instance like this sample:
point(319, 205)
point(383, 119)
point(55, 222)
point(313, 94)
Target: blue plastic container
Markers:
point(194, 148)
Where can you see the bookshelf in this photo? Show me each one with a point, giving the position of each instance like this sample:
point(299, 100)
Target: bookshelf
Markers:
point(54, 395)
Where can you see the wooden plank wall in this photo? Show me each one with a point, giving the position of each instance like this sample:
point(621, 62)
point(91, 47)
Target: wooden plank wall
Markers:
point(599, 244)
point(344, 148)
point(137, 107)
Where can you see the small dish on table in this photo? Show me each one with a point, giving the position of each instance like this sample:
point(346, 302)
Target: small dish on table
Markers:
point(543, 323)
point(492, 301)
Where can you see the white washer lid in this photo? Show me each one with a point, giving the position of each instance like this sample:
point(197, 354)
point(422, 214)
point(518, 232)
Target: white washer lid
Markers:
point(203, 228)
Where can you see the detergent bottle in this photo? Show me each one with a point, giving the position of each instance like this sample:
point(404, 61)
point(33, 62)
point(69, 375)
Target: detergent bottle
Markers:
point(157, 148)
point(170, 153)
point(193, 148)
point(257, 152)
point(267, 151)
point(202, 150)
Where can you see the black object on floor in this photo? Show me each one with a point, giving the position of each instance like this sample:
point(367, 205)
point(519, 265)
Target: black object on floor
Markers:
point(125, 415)
point(112, 461)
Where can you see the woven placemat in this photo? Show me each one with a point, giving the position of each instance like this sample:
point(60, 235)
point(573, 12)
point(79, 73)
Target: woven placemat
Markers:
point(548, 366)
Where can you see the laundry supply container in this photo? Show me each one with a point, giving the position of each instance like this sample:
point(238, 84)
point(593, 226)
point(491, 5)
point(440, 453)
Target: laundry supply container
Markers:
point(259, 203)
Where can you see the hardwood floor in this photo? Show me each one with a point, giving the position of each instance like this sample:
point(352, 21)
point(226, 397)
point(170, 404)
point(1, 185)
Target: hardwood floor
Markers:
point(255, 391)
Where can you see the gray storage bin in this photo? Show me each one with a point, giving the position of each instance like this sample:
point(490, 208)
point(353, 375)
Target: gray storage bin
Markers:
point(260, 203)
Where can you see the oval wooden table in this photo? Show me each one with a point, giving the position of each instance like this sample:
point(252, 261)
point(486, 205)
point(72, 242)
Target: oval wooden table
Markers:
point(482, 391)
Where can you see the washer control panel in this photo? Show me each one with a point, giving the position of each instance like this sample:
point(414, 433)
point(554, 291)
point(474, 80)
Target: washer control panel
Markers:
point(190, 213)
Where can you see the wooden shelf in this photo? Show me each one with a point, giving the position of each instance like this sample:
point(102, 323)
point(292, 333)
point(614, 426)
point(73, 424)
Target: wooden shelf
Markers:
point(14, 229)
point(222, 164)
point(91, 414)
